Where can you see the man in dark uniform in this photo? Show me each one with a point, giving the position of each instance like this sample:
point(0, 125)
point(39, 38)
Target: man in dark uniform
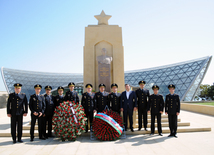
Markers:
point(49, 111)
point(71, 95)
point(128, 103)
point(88, 104)
point(114, 99)
point(60, 97)
point(101, 99)
point(37, 108)
point(17, 106)
point(172, 109)
point(142, 100)
point(155, 105)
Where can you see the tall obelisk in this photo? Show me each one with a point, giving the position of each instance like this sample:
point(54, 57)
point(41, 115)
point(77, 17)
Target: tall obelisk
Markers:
point(103, 54)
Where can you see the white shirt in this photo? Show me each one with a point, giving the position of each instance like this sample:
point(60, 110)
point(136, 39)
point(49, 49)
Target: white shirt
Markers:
point(127, 94)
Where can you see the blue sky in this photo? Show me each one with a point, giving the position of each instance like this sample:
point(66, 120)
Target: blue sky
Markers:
point(48, 36)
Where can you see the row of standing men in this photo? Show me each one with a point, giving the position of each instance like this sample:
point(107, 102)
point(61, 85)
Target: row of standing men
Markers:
point(42, 106)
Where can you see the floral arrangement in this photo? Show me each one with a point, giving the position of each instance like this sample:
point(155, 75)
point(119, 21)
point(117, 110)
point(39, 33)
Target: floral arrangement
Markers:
point(69, 121)
point(107, 126)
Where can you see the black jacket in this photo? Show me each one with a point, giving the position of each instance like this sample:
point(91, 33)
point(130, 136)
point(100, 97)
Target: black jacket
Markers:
point(17, 104)
point(71, 96)
point(87, 101)
point(37, 104)
point(114, 101)
point(58, 100)
point(128, 103)
point(142, 98)
point(156, 103)
point(50, 105)
point(101, 101)
point(172, 104)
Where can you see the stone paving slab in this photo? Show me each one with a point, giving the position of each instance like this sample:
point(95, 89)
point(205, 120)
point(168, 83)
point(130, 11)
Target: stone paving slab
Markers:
point(197, 143)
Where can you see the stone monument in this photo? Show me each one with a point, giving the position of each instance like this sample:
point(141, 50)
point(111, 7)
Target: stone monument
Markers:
point(103, 54)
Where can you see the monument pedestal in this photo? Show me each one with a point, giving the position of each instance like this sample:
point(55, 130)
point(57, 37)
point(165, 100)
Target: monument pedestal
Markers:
point(98, 37)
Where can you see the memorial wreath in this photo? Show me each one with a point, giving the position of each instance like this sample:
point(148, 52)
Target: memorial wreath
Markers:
point(69, 121)
point(107, 126)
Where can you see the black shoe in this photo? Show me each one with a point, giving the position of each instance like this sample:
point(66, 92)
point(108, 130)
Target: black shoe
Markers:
point(14, 141)
point(42, 138)
point(20, 141)
point(132, 130)
point(31, 139)
point(175, 136)
point(146, 129)
point(151, 134)
point(139, 129)
point(160, 134)
point(170, 135)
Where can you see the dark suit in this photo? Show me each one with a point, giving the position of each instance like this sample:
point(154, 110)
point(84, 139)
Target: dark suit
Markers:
point(142, 103)
point(37, 104)
point(101, 100)
point(49, 111)
point(88, 105)
point(172, 106)
point(114, 102)
point(155, 105)
point(58, 100)
point(128, 106)
point(16, 106)
point(71, 96)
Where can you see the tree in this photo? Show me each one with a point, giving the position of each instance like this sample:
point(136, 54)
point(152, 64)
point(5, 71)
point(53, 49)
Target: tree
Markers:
point(203, 92)
point(210, 92)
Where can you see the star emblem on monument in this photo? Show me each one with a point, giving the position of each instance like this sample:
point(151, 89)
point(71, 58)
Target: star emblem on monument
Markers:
point(102, 18)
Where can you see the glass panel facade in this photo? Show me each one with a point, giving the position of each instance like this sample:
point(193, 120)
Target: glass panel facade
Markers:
point(186, 76)
point(29, 78)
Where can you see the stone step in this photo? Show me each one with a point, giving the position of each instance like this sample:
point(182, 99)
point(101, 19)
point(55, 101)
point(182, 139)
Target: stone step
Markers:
point(149, 116)
point(162, 120)
point(26, 133)
point(27, 127)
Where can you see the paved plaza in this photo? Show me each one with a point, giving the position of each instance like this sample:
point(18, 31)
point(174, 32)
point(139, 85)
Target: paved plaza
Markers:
point(196, 143)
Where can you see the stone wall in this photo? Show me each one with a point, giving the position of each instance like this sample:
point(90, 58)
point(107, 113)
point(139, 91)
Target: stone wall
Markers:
point(203, 109)
point(3, 99)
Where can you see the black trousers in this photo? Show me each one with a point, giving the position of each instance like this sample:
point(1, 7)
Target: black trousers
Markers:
point(172, 123)
point(142, 112)
point(158, 122)
point(126, 113)
point(40, 125)
point(47, 121)
point(89, 116)
point(19, 120)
